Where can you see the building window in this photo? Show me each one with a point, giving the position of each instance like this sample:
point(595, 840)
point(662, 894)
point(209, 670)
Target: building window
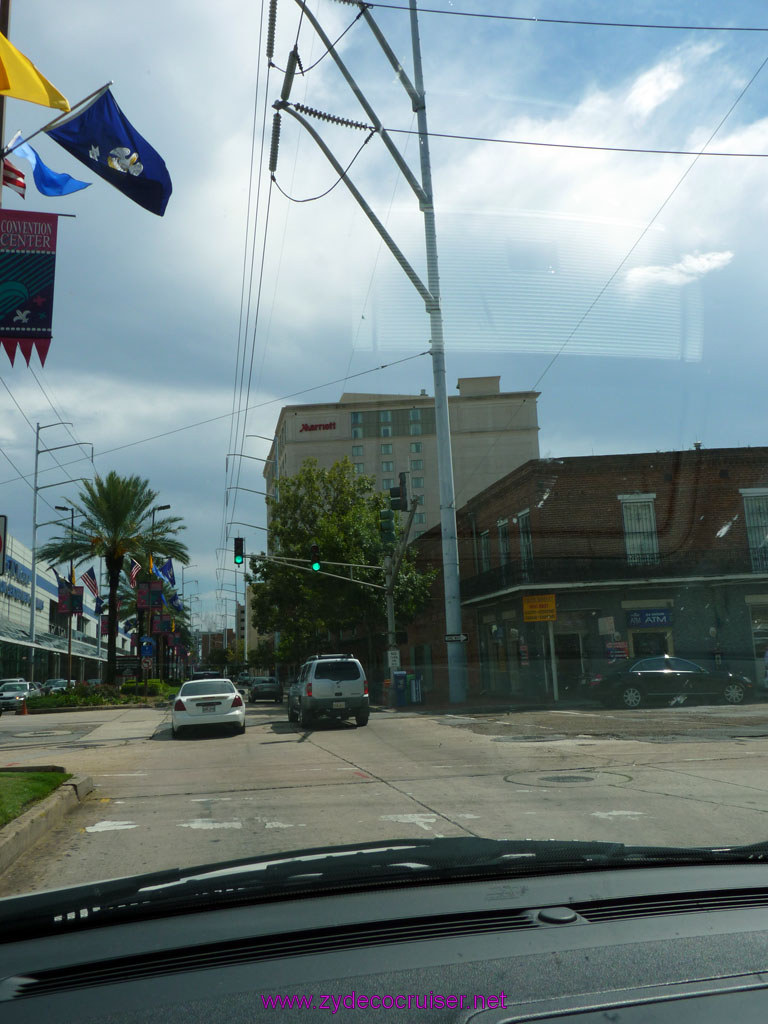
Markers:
point(387, 467)
point(756, 516)
point(414, 428)
point(640, 538)
point(417, 481)
point(386, 449)
point(385, 416)
point(359, 468)
point(356, 418)
point(387, 482)
point(420, 517)
point(417, 464)
point(415, 447)
point(503, 525)
point(414, 414)
point(357, 449)
point(357, 432)
point(526, 540)
point(386, 431)
point(485, 551)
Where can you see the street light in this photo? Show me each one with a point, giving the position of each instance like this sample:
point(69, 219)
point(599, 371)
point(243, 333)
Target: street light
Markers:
point(192, 565)
point(66, 508)
point(157, 508)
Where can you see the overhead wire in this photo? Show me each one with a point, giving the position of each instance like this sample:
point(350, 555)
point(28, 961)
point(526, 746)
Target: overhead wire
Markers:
point(533, 19)
point(612, 277)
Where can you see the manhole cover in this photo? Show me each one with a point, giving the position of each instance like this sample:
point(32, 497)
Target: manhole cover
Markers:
point(566, 778)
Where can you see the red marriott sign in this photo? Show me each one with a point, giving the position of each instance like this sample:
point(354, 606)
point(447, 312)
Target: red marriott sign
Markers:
point(317, 426)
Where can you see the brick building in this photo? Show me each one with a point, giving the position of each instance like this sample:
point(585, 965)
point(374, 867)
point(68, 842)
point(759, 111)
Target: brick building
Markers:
point(633, 554)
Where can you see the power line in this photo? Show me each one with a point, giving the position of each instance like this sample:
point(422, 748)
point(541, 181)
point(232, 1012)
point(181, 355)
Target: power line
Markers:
point(572, 145)
point(627, 255)
point(227, 415)
point(530, 19)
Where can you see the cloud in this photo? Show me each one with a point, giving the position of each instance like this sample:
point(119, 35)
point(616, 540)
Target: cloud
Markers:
point(689, 268)
point(653, 88)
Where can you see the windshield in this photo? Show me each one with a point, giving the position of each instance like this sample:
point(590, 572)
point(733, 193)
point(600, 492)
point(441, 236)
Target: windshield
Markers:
point(212, 686)
point(436, 422)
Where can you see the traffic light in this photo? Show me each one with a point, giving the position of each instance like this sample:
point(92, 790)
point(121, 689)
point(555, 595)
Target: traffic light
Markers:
point(398, 496)
point(239, 552)
point(387, 527)
point(314, 557)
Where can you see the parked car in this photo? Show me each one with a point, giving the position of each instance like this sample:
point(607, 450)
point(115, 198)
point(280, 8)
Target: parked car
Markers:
point(329, 686)
point(14, 691)
point(57, 686)
point(206, 702)
point(265, 688)
point(638, 682)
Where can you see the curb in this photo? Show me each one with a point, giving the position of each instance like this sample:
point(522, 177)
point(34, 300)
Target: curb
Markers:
point(19, 835)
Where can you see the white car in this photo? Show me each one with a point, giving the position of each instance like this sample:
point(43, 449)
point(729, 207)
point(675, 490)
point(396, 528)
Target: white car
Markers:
point(207, 702)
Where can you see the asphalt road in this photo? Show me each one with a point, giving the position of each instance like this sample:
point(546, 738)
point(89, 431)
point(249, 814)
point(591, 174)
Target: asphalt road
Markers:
point(687, 775)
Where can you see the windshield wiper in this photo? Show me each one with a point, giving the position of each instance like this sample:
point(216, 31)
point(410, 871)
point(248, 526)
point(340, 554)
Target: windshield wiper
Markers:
point(343, 868)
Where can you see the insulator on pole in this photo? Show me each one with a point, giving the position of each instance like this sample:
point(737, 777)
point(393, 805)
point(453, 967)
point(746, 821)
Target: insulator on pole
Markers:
point(290, 70)
point(275, 142)
point(271, 29)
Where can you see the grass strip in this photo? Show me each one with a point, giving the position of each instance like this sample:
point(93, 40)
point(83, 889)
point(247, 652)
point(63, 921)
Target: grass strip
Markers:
point(19, 790)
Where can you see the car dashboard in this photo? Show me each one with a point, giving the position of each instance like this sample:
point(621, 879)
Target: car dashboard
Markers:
point(664, 944)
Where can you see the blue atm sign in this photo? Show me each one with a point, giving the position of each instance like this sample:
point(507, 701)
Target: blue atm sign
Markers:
point(648, 618)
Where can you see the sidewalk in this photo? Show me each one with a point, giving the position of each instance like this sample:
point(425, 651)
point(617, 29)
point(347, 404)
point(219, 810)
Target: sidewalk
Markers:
point(490, 704)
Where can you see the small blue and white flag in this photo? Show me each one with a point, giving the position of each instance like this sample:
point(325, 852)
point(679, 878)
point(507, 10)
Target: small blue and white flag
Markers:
point(50, 183)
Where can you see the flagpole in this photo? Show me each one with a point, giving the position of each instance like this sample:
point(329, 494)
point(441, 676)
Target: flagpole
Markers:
point(7, 150)
point(5, 21)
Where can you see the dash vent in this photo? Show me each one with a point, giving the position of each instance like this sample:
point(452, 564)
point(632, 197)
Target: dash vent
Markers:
point(672, 903)
point(271, 947)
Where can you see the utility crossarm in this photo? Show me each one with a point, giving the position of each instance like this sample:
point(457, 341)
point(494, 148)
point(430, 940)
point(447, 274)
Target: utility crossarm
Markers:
point(389, 241)
point(407, 173)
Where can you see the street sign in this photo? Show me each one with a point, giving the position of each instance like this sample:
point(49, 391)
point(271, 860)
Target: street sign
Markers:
point(146, 663)
point(539, 608)
point(393, 657)
point(456, 638)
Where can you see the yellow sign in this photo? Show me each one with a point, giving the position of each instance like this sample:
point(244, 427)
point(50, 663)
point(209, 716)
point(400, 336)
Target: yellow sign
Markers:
point(539, 608)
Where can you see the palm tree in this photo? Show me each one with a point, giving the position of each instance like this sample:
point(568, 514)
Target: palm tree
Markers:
point(113, 519)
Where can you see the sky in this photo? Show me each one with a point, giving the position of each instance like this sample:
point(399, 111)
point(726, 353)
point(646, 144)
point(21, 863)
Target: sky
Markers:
point(628, 288)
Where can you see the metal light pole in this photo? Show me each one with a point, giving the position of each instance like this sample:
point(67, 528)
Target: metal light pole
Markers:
point(157, 508)
point(33, 558)
point(66, 508)
point(429, 292)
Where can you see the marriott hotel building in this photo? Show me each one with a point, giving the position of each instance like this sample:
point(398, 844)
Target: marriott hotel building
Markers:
point(492, 433)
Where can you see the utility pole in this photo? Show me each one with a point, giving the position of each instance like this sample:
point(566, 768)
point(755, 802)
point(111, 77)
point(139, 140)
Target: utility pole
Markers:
point(429, 292)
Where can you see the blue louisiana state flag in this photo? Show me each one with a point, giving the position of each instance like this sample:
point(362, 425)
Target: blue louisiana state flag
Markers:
point(101, 137)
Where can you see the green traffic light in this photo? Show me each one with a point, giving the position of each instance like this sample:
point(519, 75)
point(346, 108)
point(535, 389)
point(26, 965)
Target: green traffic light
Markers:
point(314, 557)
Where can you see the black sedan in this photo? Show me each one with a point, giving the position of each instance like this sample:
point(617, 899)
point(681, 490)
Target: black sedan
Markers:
point(669, 680)
point(265, 688)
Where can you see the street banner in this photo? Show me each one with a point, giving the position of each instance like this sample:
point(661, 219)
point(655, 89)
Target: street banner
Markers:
point(161, 624)
point(27, 268)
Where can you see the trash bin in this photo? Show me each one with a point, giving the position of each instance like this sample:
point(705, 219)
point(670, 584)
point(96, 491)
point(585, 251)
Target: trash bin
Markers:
point(400, 680)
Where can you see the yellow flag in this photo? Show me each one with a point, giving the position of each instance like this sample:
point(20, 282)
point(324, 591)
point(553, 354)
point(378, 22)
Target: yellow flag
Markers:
point(151, 565)
point(20, 79)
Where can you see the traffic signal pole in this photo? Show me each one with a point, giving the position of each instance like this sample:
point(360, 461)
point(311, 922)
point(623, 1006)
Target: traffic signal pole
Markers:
point(430, 293)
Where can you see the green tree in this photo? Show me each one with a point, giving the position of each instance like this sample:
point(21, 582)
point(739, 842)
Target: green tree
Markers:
point(339, 511)
point(113, 520)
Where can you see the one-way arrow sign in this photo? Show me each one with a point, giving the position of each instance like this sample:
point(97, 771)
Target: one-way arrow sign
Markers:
point(456, 638)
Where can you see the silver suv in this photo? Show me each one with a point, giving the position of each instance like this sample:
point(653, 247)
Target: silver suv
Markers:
point(329, 686)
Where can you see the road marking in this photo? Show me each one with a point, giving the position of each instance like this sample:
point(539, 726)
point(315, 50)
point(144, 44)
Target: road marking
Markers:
point(422, 820)
point(110, 826)
point(618, 814)
point(467, 815)
point(120, 775)
point(279, 824)
point(204, 823)
point(209, 799)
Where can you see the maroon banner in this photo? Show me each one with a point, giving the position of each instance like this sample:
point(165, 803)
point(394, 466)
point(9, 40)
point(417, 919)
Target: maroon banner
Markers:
point(27, 270)
point(70, 600)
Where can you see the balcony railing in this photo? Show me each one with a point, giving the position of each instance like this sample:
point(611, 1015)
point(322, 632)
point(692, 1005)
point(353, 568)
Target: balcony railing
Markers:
point(585, 569)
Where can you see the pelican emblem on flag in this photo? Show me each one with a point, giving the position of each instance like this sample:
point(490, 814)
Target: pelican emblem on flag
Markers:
point(122, 159)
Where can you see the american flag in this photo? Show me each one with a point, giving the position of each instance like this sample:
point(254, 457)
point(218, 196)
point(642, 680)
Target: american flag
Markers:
point(89, 579)
point(135, 570)
point(13, 178)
